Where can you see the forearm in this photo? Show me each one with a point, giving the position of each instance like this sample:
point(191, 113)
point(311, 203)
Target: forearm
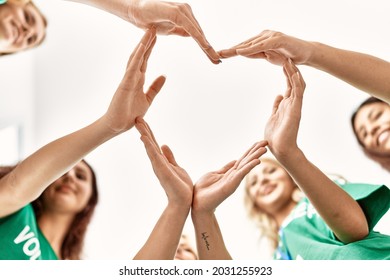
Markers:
point(164, 239)
point(363, 71)
point(209, 240)
point(119, 8)
point(30, 178)
point(338, 209)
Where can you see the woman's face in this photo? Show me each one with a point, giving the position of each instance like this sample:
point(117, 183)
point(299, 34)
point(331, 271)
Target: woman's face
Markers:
point(71, 192)
point(372, 127)
point(184, 250)
point(21, 27)
point(270, 187)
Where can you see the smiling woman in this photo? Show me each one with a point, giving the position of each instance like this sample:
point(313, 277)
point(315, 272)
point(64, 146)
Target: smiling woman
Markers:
point(371, 125)
point(22, 26)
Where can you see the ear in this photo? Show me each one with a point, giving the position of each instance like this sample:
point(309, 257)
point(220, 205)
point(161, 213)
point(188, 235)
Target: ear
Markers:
point(297, 195)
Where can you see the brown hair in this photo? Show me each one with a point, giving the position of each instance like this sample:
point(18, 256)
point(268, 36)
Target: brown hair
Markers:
point(383, 160)
point(71, 248)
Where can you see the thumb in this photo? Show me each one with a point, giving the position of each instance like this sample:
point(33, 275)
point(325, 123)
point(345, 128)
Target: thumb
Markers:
point(155, 88)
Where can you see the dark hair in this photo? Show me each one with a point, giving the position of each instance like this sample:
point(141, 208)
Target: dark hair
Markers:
point(382, 159)
point(74, 240)
point(366, 102)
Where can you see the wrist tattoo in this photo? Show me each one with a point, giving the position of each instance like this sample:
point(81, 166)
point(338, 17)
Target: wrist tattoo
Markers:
point(204, 237)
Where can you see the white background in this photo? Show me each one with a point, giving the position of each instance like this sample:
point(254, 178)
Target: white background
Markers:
point(208, 114)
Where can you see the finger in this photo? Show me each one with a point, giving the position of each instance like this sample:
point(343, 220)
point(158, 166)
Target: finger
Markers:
point(224, 169)
point(147, 55)
point(235, 50)
point(227, 53)
point(167, 152)
point(262, 44)
point(191, 27)
point(288, 81)
point(255, 154)
point(250, 150)
point(177, 30)
point(146, 131)
point(247, 168)
point(151, 135)
point(150, 148)
point(210, 52)
point(296, 79)
point(155, 88)
point(276, 104)
point(139, 50)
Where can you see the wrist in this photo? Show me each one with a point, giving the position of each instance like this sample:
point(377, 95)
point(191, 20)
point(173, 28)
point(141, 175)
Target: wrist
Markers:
point(316, 54)
point(292, 157)
point(133, 10)
point(179, 209)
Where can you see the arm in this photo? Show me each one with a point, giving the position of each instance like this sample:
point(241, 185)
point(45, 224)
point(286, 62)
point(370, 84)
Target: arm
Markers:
point(209, 192)
point(32, 176)
point(363, 71)
point(168, 18)
point(342, 214)
point(164, 239)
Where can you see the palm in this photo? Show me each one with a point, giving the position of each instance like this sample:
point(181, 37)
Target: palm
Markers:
point(130, 100)
point(214, 187)
point(282, 128)
point(175, 180)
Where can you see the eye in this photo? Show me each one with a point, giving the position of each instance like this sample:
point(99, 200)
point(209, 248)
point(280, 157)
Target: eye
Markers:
point(31, 40)
point(377, 115)
point(29, 18)
point(81, 176)
point(270, 170)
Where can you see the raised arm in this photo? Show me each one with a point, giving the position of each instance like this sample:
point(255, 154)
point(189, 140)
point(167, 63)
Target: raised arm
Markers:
point(209, 192)
point(169, 18)
point(342, 214)
point(164, 239)
point(33, 175)
point(363, 71)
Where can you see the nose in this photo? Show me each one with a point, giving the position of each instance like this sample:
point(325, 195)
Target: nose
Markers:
point(70, 175)
point(264, 179)
point(372, 128)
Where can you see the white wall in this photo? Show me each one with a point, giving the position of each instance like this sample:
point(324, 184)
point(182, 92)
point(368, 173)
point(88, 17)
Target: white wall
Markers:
point(208, 114)
point(17, 101)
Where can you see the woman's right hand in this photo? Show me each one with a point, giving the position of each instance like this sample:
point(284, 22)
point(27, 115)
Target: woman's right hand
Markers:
point(214, 187)
point(175, 180)
point(268, 43)
point(129, 100)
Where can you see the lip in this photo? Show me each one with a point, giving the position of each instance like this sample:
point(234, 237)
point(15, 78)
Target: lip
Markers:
point(267, 189)
point(382, 137)
point(65, 188)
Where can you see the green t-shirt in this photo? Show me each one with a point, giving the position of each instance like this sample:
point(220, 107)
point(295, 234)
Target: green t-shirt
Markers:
point(305, 235)
point(3, 1)
point(21, 238)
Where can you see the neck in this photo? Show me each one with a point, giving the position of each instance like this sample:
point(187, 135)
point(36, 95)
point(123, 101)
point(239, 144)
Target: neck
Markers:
point(55, 226)
point(283, 213)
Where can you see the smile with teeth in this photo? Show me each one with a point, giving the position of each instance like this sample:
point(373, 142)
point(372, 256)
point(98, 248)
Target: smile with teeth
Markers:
point(267, 189)
point(383, 136)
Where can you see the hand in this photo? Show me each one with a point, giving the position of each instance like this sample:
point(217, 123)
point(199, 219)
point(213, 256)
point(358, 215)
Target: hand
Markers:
point(281, 130)
point(267, 44)
point(214, 187)
point(171, 18)
point(174, 179)
point(129, 100)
